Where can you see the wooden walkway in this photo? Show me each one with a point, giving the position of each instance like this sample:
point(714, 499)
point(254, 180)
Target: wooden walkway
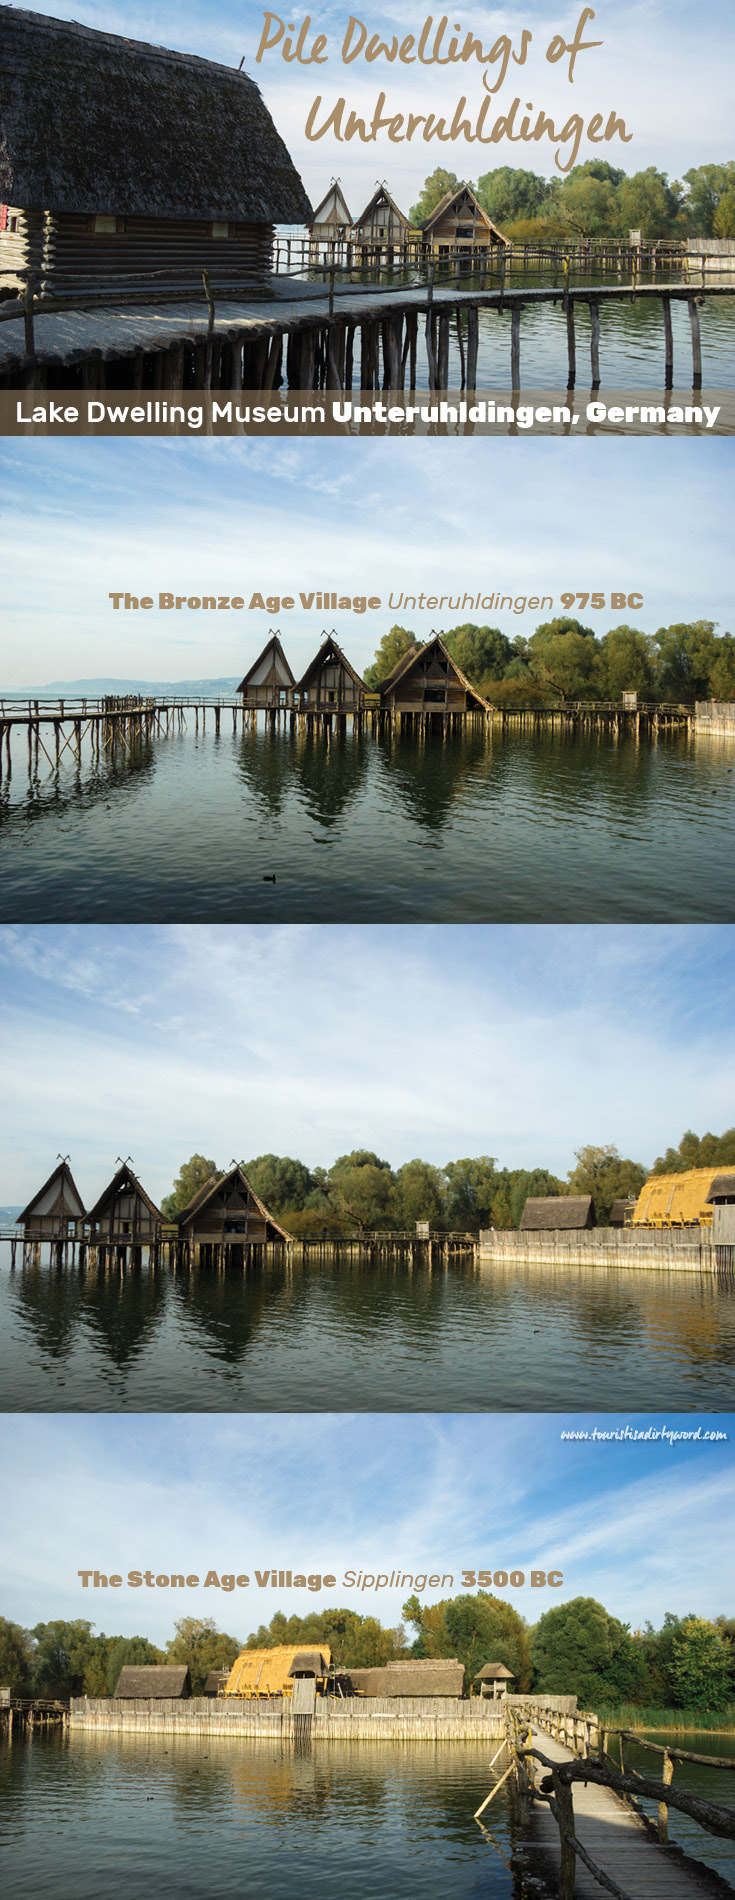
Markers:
point(616, 1839)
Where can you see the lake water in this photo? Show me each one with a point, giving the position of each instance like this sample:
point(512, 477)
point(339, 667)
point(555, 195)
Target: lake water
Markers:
point(489, 828)
point(89, 1818)
point(343, 1337)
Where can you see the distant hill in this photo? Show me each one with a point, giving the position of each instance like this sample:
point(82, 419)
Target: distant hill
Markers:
point(92, 688)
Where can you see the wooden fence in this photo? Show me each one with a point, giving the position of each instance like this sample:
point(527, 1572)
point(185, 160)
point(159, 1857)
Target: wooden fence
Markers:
point(351, 1718)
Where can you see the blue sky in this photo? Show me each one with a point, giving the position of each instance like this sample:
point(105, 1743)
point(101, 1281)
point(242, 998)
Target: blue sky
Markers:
point(166, 1040)
point(663, 67)
point(386, 518)
point(644, 1527)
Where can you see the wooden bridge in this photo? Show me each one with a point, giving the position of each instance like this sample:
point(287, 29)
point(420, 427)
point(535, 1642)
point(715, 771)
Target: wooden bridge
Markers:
point(581, 1814)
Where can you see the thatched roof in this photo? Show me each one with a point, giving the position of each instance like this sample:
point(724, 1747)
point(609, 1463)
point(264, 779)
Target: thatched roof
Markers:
point(414, 654)
point(215, 1681)
point(723, 1188)
point(328, 650)
point(544, 1213)
point(68, 1194)
point(273, 645)
point(494, 1672)
point(236, 1177)
point(419, 1677)
point(450, 200)
point(308, 1662)
point(621, 1209)
point(123, 1180)
point(90, 122)
point(380, 197)
point(155, 1680)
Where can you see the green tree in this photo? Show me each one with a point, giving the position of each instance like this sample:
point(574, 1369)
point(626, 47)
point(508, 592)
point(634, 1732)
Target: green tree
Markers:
point(190, 1178)
point(687, 653)
point(588, 202)
point(723, 222)
point(579, 1649)
point(64, 1655)
point(483, 653)
point(565, 656)
point(646, 203)
point(708, 185)
point(607, 1176)
point(698, 1151)
point(701, 1665)
point(420, 1194)
point(199, 1643)
point(472, 1186)
point(17, 1657)
point(722, 671)
point(628, 661)
point(124, 1651)
point(476, 1628)
point(361, 1189)
point(355, 1641)
point(434, 189)
point(280, 1181)
point(531, 1181)
point(393, 645)
point(509, 193)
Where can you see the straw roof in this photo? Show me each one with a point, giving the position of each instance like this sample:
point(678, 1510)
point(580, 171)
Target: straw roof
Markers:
point(328, 649)
point(380, 197)
point(544, 1213)
point(723, 1188)
point(274, 645)
point(404, 666)
point(91, 122)
point(215, 1681)
point(494, 1672)
point(419, 1677)
point(236, 1177)
point(68, 1192)
point(447, 203)
point(620, 1209)
point(120, 1181)
point(308, 1662)
point(154, 1680)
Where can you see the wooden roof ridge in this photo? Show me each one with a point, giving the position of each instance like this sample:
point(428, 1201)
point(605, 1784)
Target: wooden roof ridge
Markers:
point(97, 122)
point(125, 1173)
point(381, 191)
point(414, 654)
point(336, 189)
point(449, 199)
point(272, 641)
point(209, 1188)
point(61, 1172)
point(329, 640)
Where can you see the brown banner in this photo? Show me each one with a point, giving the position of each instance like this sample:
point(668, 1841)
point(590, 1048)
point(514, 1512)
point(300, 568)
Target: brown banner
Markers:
point(368, 412)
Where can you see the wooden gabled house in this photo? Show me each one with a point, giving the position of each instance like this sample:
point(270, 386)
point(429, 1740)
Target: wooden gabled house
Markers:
point(381, 223)
point(55, 1213)
point(226, 1221)
point(124, 1219)
point(119, 159)
point(330, 689)
point(332, 220)
point(458, 223)
point(428, 690)
point(268, 685)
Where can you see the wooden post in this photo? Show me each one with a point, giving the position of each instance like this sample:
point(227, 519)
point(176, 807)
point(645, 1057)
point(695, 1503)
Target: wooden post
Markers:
point(668, 342)
point(696, 344)
point(442, 369)
point(571, 345)
point(473, 339)
point(667, 1777)
point(515, 347)
point(595, 344)
point(565, 1819)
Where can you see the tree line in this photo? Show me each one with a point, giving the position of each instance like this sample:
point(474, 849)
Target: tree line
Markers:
point(576, 1648)
point(596, 200)
point(565, 660)
point(361, 1193)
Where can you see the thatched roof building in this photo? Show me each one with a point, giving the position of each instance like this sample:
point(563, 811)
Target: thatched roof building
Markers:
point(381, 222)
point(428, 680)
point(269, 683)
point(156, 1682)
point(723, 1188)
point(124, 1214)
point(54, 1211)
point(332, 219)
point(330, 683)
point(309, 1662)
point(493, 1679)
point(458, 223)
point(122, 158)
point(621, 1212)
point(215, 1681)
point(563, 1213)
point(227, 1212)
point(272, 1672)
point(418, 1677)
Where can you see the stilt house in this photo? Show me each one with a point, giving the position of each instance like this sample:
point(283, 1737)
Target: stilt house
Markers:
point(559, 1213)
point(56, 1210)
point(269, 684)
point(493, 1680)
point(428, 680)
point(229, 1213)
point(459, 223)
point(381, 222)
point(154, 1682)
point(119, 160)
point(124, 1215)
point(332, 220)
point(330, 684)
